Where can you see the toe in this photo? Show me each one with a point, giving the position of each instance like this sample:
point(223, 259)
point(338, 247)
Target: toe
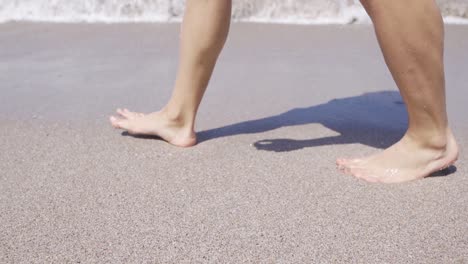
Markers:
point(345, 162)
point(114, 121)
point(344, 169)
point(340, 161)
point(124, 124)
point(354, 161)
point(125, 114)
point(133, 114)
point(342, 166)
point(119, 112)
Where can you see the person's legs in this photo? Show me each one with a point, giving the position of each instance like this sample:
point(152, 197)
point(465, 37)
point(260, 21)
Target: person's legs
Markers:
point(204, 32)
point(410, 34)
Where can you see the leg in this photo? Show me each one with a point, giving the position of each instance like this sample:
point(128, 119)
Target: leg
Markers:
point(410, 34)
point(204, 32)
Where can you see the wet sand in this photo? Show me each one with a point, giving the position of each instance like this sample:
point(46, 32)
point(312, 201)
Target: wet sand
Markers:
point(260, 187)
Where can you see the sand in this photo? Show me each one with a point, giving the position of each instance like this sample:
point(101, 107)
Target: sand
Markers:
point(260, 187)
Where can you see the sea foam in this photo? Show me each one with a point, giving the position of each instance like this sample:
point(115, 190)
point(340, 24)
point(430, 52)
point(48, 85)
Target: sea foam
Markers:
point(266, 11)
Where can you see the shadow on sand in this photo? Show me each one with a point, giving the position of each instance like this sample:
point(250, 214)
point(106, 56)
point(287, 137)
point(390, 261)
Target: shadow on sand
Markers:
point(376, 119)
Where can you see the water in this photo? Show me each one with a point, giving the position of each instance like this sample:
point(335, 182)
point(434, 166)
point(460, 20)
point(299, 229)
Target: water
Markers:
point(279, 11)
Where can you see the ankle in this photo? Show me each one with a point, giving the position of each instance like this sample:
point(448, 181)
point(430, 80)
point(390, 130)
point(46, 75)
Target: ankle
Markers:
point(176, 117)
point(434, 140)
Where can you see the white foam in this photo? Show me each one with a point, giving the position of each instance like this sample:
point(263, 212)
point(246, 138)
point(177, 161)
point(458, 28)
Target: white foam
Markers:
point(85, 10)
point(263, 11)
point(346, 15)
point(455, 20)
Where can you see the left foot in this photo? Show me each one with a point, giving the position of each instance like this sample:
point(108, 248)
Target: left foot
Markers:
point(405, 161)
point(157, 124)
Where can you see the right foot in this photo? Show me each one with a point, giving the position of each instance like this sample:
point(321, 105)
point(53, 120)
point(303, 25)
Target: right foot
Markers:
point(155, 124)
point(407, 160)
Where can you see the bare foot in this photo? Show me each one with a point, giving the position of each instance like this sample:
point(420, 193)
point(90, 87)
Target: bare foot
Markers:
point(155, 124)
point(405, 161)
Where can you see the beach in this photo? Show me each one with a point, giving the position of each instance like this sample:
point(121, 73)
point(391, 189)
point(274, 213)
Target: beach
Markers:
point(260, 187)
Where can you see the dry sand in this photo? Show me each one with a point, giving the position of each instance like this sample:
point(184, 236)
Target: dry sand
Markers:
point(261, 187)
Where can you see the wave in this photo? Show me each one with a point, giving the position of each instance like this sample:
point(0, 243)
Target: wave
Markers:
point(265, 11)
